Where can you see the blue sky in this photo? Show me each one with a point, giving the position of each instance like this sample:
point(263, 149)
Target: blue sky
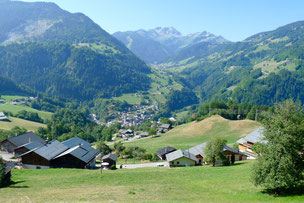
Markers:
point(233, 19)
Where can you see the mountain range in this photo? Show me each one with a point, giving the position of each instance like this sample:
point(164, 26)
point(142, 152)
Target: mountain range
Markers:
point(162, 43)
point(64, 54)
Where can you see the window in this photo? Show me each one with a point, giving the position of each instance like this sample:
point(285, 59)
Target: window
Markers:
point(172, 162)
point(178, 162)
point(38, 167)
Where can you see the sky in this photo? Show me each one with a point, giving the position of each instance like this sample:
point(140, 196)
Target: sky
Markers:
point(233, 19)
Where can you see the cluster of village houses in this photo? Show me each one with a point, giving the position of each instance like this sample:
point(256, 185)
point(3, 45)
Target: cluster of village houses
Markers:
point(137, 114)
point(33, 152)
point(195, 155)
point(21, 100)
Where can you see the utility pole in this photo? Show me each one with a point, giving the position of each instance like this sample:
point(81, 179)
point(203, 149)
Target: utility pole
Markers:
point(209, 111)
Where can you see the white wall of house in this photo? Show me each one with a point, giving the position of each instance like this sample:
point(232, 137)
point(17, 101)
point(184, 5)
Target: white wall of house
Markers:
point(183, 161)
point(29, 166)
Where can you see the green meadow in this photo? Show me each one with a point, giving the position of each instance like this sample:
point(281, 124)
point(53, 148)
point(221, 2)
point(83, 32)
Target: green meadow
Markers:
point(195, 184)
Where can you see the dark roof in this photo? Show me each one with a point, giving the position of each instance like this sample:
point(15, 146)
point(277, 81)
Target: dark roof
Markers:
point(180, 153)
point(110, 156)
point(165, 150)
point(50, 150)
point(254, 137)
point(226, 148)
point(166, 126)
point(20, 140)
point(84, 152)
point(31, 145)
point(75, 141)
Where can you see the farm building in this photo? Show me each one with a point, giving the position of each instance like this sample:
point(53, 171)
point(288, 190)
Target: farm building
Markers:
point(110, 158)
point(41, 158)
point(199, 153)
point(75, 141)
point(180, 158)
point(10, 144)
point(3, 117)
point(80, 156)
point(165, 127)
point(246, 143)
point(144, 134)
point(27, 147)
point(162, 152)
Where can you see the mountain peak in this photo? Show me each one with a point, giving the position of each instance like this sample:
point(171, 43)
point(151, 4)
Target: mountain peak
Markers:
point(167, 31)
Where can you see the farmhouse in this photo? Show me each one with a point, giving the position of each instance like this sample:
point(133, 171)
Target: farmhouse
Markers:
point(180, 158)
point(41, 158)
point(10, 144)
point(110, 159)
point(80, 156)
point(165, 127)
point(246, 143)
point(162, 152)
point(144, 134)
point(3, 117)
point(199, 153)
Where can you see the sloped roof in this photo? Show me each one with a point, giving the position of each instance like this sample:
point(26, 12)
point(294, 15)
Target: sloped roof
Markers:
point(200, 149)
point(75, 141)
point(165, 150)
point(145, 133)
point(50, 150)
point(20, 140)
point(254, 137)
point(180, 153)
point(83, 152)
point(166, 126)
point(31, 145)
point(110, 156)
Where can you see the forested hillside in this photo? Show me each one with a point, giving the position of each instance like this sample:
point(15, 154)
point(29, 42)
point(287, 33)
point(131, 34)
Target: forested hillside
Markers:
point(263, 69)
point(64, 54)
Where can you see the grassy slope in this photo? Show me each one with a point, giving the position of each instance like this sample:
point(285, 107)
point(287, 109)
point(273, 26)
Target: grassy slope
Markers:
point(29, 125)
point(196, 184)
point(191, 134)
point(16, 108)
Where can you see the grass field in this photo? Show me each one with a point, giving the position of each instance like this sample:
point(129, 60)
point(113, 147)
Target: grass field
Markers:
point(195, 184)
point(29, 125)
point(16, 108)
point(191, 134)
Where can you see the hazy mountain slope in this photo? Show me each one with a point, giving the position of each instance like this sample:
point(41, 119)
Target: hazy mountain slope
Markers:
point(159, 44)
point(54, 51)
point(263, 69)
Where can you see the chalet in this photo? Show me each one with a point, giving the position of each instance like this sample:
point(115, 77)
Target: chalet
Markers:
point(41, 158)
point(27, 147)
point(164, 151)
point(166, 127)
point(144, 134)
point(110, 159)
point(10, 144)
point(246, 143)
point(2, 101)
point(3, 117)
point(199, 153)
point(127, 133)
point(180, 158)
point(80, 156)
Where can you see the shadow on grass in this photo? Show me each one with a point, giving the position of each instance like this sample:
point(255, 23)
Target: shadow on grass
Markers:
point(297, 191)
point(155, 136)
point(13, 184)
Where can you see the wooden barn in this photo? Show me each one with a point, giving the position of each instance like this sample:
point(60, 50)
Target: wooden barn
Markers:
point(162, 152)
point(10, 144)
point(246, 143)
point(110, 159)
point(80, 156)
point(41, 158)
point(27, 147)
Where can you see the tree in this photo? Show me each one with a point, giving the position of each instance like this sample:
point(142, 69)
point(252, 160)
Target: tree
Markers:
point(103, 148)
point(214, 150)
point(280, 165)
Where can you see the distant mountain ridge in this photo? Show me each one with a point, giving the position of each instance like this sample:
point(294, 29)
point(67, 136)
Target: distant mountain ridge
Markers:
point(65, 54)
point(159, 44)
